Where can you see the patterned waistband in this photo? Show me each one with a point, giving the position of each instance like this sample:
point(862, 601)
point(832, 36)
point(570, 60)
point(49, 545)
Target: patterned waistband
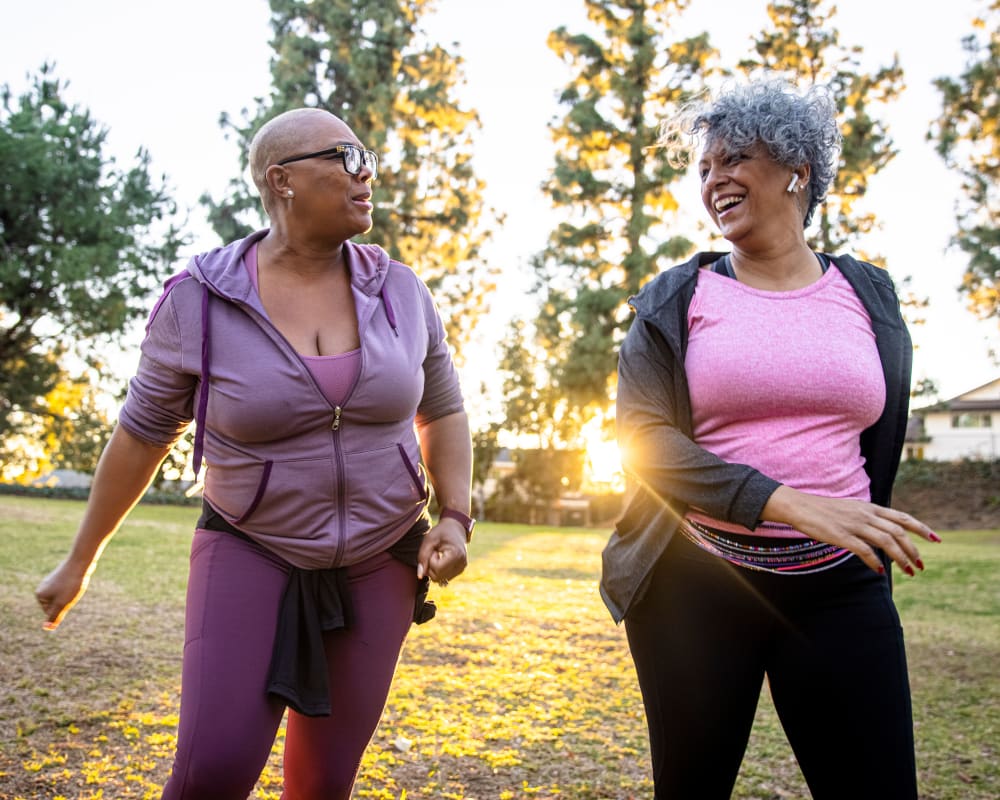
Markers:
point(798, 557)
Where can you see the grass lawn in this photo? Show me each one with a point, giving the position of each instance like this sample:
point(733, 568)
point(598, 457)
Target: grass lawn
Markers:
point(522, 687)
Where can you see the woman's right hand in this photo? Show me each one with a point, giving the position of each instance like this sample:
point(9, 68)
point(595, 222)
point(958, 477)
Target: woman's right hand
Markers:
point(59, 591)
point(856, 525)
point(123, 473)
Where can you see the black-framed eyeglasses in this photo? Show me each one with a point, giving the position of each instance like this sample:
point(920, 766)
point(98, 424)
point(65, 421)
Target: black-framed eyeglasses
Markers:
point(355, 158)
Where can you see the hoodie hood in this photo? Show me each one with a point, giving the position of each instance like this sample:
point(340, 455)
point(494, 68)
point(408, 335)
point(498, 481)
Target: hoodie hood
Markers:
point(223, 272)
point(660, 292)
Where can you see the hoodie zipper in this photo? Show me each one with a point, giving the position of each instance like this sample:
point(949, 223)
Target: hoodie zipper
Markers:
point(335, 425)
point(335, 430)
point(341, 483)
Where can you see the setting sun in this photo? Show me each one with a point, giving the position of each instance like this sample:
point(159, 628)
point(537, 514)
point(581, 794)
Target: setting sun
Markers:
point(603, 464)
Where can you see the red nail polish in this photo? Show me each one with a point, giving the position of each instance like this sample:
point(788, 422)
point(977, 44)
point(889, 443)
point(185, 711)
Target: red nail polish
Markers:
point(920, 564)
point(881, 570)
point(934, 537)
point(908, 570)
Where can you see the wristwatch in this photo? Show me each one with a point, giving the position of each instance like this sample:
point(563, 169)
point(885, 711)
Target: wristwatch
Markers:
point(464, 520)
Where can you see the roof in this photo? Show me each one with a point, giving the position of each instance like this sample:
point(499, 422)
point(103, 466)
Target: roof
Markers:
point(982, 398)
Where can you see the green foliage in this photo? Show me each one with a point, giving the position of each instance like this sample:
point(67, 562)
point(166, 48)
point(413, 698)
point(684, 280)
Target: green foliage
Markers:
point(177, 465)
point(540, 476)
point(549, 473)
point(531, 405)
point(613, 190)
point(937, 473)
point(485, 448)
point(802, 45)
point(151, 497)
point(968, 139)
point(76, 258)
point(368, 62)
point(534, 414)
point(925, 388)
point(74, 428)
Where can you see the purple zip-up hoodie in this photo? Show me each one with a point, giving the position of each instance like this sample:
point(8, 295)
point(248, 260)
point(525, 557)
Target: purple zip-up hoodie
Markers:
point(319, 485)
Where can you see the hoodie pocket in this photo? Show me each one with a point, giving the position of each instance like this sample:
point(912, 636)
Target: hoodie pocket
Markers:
point(418, 480)
point(258, 495)
point(237, 491)
point(276, 497)
point(383, 486)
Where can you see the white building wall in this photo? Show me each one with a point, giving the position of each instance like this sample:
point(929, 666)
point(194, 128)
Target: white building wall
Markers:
point(954, 444)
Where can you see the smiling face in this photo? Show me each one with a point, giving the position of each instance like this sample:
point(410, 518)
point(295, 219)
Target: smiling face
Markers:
point(325, 200)
point(746, 194)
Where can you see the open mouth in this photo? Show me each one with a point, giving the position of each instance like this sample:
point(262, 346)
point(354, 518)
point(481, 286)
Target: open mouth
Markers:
point(723, 204)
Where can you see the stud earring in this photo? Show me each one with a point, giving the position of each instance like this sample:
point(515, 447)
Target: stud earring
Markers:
point(793, 184)
point(291, 193)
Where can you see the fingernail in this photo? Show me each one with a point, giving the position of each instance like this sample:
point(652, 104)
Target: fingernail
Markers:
point(934, 537)
point(881, 570)
point(909, 570)
point(919, 563)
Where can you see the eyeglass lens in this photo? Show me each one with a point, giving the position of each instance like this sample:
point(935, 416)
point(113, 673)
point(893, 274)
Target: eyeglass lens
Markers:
point(354, 157)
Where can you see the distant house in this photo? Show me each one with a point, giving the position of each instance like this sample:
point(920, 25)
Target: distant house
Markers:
point(964, 427)
point(65, 478)
point(514, 492)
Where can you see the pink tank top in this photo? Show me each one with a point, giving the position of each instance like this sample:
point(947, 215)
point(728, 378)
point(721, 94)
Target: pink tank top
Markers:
point(336, 374)
point(784, 382)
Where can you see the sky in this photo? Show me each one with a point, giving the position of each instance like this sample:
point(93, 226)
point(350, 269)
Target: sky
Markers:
point(159, 75)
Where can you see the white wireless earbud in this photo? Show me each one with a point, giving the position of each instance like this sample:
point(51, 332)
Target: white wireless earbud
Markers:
point(793, 184)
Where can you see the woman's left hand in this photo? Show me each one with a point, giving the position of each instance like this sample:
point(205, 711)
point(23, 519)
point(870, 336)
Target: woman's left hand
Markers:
point(863, 528)
point(443, 552)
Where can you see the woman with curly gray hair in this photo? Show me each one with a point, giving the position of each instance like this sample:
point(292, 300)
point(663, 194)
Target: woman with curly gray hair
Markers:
point(762, 403)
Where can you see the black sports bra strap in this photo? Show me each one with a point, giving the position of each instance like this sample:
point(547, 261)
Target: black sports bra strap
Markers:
point(723, 266)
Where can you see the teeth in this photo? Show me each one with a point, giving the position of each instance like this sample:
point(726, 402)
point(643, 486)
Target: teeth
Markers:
point(726, 202)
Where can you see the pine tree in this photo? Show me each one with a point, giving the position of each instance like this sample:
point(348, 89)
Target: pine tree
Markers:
point(968, 139)
point(612, 189)
point(368, 62)
point(803, 46)
point(83, 245)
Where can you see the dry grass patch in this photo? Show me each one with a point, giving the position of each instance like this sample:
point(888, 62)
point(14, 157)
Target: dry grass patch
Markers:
point(521, 688)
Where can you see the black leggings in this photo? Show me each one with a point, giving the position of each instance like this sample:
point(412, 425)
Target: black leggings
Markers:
point(830, 643)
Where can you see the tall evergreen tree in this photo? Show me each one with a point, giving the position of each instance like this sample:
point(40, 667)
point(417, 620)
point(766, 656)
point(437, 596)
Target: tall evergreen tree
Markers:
point(968, 139)
point(368, 62)
point(612, 190)
point(803, 46)
point(531, 406)
point(83, 244)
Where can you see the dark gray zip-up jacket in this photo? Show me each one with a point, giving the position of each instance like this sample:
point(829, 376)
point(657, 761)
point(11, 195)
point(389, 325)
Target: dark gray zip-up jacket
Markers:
point(668, 472)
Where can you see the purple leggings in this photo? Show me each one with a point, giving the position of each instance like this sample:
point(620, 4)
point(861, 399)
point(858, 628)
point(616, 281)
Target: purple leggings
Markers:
point(228, 722)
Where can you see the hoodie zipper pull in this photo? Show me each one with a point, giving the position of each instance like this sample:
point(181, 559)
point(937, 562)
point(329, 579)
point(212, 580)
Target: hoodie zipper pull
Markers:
point(336, 419)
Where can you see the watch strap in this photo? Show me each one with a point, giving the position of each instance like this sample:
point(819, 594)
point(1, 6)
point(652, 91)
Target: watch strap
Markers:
point(464, 520)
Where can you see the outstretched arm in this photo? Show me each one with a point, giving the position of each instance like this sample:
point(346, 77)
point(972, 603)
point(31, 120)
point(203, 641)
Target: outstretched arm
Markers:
point(123, 473)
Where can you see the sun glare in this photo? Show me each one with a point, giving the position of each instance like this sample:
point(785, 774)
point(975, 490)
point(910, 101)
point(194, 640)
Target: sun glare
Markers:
point(604, 466)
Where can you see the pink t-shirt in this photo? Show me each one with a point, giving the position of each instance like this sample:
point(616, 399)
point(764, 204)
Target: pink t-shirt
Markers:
point(785, 382)
point(334, 374)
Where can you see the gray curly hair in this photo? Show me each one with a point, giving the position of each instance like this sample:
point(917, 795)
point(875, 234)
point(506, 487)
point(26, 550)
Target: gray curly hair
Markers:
point(796, 128)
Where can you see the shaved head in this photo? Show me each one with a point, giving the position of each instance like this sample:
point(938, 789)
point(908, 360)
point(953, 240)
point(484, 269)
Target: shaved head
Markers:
point(284, 136)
